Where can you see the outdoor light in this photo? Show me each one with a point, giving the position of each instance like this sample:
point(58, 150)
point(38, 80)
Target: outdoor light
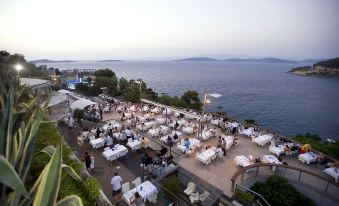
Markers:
point(208, 101)
point(18, 67)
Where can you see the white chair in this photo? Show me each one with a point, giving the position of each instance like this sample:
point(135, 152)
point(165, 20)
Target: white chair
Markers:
point(203, 196)
point(191, 187)
point(109, 141)
point(250, 157)
point(137, 181)
point(107, 148)
point(194, 197)
point(125, 187)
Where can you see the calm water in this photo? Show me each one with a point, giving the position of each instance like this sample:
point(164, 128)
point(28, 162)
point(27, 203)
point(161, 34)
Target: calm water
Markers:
point(287, 103)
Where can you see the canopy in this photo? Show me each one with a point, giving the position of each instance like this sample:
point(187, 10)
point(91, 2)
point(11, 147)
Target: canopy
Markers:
point(56, 99)
point(81, 103)
point(62, 91)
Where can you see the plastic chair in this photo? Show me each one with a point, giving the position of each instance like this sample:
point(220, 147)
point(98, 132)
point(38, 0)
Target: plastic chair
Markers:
point(125, 187)
point(191, 187)
point(137, 181)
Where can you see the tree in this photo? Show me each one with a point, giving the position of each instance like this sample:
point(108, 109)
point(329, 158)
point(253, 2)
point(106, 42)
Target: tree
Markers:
point(123, 84)
point(191, 98)
point(104, 73)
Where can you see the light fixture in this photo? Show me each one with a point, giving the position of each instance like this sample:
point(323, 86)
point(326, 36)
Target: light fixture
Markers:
point(18, 67)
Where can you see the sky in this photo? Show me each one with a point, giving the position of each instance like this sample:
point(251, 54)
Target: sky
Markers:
point(160, 29)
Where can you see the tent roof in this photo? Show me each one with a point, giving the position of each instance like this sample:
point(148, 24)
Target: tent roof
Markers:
point(62, 91)
point(81, 103)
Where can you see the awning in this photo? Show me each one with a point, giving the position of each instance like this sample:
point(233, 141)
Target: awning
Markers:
point(81, 103)
point(62, 91)
point(56, 99)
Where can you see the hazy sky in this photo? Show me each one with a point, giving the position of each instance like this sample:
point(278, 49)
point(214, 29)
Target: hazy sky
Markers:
point(159, 29)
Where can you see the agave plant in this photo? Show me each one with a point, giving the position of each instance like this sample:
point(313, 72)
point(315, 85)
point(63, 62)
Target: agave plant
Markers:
point(19, 123)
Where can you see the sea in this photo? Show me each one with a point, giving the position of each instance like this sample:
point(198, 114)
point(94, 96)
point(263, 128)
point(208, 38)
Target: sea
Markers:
point(287, 103)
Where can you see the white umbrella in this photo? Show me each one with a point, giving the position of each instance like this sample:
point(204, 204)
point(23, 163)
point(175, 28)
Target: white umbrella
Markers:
point(81, 103)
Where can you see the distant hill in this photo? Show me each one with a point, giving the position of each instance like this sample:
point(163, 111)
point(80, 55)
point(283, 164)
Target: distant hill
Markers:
point(197, 59)
point(39, 61)
point(263, 60)
point(331, 63)
point(109, 60)
point(327, 68)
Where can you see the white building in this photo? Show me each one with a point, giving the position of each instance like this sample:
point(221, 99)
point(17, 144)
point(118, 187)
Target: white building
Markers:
point(38, 86)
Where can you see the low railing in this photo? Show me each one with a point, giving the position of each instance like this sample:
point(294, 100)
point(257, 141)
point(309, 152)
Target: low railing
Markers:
point(319, 183)
point(260, 200)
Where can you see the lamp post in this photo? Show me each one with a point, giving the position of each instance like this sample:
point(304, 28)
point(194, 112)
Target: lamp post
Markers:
point(203, 108)
point(18, 68)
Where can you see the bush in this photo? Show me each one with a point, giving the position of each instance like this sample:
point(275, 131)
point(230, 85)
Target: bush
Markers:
point(172, 183)
point(331, 149)
point(244, 196)
point(277, 191)
point(249, 121)
point(92, 188)
point(79, 114)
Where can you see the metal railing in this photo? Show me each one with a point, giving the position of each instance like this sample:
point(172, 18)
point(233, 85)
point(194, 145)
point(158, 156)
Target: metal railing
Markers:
point(259, 199)
point(315, 182)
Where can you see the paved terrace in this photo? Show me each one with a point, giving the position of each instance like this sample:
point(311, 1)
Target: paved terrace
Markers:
point(218, 173)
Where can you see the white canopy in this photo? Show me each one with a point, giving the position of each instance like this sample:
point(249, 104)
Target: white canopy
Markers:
point(62, 91)
point(81, 103)
point(56, 99)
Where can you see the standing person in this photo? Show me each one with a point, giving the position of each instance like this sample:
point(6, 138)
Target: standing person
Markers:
point(100, 110)
point(116, 185)
point(223, 146)
point(128, 133)
point(92, 162)
point(70, 122)
point(187, 145)
point(219, 144)
point(87, 160)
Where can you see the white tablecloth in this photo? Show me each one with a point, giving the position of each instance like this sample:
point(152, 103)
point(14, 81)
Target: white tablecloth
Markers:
point(194, 144)
point(206, 134)
point(153, 132)
point(128, 115)
point(149, 124)
point(161, 120)
point(216, 121)
point(182, 122)
point(178, 133)
point(308, 157)
point(248, 132)
point(134, 144)
point(187, 130)
point(148, 190)
point(145, 108)
point(132, 108)
point(118, 151)
point(156, 110)
point(113, 125)
point(97, 143)
point(242, 161)
point(278, 150)
point(206, 156)
point(270, 159)
point(164, 129)
point(229, 141)
point(333, 172)
point(262, 139)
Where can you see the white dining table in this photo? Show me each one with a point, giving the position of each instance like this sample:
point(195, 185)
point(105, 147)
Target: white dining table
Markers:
point(206, 156)
point(116, 152)
point(161, 120)
point(308, 157)
point(164, 129)
point(97, 143)
point(153, 132)
point(229, 141)
point(134, 144)
point(194, 144)
point(262, 139)
point(333, 172)
point(145, 190)
point(187, 130)
point(248, 132)
point(242, 161)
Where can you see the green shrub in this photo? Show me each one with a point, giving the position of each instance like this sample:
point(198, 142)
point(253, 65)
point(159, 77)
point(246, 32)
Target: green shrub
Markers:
point(249, 121)
point(331, 149)
point(277, 191)
point(92, 188)
point(172, 183)
point(244, 196)
point(79, 114)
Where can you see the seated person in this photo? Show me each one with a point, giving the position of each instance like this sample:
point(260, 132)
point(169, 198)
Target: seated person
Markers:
point(257, 160)
point(175, 136)
point(162, 151)
point(148, 160)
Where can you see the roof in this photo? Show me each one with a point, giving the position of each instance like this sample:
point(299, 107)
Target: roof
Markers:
point(33, 82)
point(81, 103)
point(63, 91)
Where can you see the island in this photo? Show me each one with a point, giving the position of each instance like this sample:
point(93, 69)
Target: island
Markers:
point(39, 61)
point(327, 68)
